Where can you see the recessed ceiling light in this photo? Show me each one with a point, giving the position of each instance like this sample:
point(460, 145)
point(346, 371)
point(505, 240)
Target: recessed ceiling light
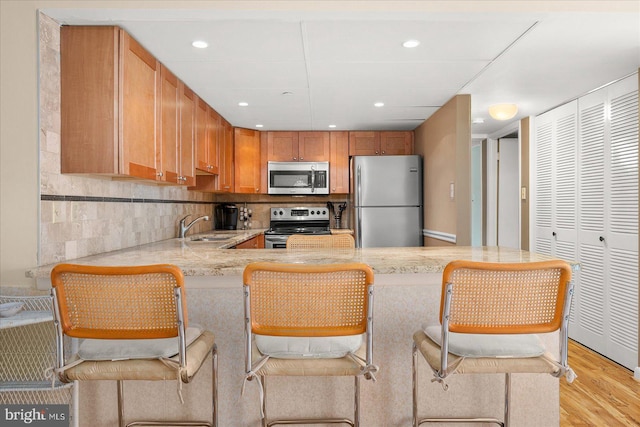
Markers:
point(200, 44)
point(243, 104)
point(332, 126)
point(259, 126)
point(379, 104)
point(477, 121)
point(411, 43)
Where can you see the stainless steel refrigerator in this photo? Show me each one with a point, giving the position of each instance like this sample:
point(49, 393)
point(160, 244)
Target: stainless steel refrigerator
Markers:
point(386, 197)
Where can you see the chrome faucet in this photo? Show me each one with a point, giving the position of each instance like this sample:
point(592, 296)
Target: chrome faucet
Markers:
point(184, 228)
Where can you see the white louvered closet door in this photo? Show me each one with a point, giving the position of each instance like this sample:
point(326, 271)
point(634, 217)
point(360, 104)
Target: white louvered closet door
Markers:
point(607, 295)
point(555, 182)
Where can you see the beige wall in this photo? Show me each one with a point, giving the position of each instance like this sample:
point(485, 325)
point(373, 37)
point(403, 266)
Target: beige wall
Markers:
point(18, 141)
point(444, 141)
point(525, 134)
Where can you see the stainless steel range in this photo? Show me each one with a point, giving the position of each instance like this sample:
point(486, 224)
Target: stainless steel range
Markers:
point(299, 220)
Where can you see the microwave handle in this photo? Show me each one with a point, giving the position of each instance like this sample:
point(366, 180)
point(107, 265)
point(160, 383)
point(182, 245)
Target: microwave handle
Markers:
point(313, 179)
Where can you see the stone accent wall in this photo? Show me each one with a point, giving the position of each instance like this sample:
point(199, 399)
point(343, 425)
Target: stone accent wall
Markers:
point(80, 215)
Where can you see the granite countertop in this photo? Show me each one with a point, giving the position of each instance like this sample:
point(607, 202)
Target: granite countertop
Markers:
point(212, 258)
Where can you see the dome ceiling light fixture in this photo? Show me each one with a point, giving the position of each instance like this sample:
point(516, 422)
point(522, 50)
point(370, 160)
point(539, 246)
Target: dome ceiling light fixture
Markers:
point(503, 111)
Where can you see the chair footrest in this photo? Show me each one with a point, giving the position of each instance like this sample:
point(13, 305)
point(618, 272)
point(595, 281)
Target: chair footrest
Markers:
point(311, 421)
point(170, 423)
point(461, 420)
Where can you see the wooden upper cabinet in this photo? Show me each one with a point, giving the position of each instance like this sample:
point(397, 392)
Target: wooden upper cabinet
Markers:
point(339, 163)
point(109, 103)
point(187, 135)
point(282, 146)
point(313, 146)
point(396, 143)
point(226, 176)
point(297, 146)
point(139, 89)
point(169, 127)
point(208, 123)
point(247, 161)
point(380, 143)
point(364, 143)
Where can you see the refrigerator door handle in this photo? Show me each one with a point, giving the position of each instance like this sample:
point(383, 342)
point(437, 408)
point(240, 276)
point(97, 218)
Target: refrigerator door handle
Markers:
point(359, 187)
point(358, 210)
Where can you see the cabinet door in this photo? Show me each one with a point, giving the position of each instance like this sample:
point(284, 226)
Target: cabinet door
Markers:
point(364, 143)
point(396, 143)
point(247, 161)
point(187, 135)
point(89, 120)
point(138, 113)
point(169, 130)
point(254, 243)
point(339, 163)
point(313, 146)
point(225, 179)
point(282, 146)
point(202, 161)
point(214, 124)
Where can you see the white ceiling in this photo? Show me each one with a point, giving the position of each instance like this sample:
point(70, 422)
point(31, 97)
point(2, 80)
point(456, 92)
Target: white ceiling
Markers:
point(338, 58)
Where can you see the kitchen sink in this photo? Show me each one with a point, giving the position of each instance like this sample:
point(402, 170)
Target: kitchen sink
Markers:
point(210, 238)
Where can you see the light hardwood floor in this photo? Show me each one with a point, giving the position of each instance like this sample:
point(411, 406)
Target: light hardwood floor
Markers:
point(604, 394)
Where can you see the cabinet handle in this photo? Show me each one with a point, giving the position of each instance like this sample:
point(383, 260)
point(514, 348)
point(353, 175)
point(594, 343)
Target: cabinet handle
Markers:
point(295, 158)
point(601, 239)
point(377, 152)
point(383, 152)
point(301, 158)
point(159, 174)
point(258, 190)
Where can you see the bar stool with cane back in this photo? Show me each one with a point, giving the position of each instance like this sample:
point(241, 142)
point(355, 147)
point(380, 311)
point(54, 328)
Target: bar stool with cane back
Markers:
point(309, 320)
point(133, 326)
point(304, 241)
point(490, 314)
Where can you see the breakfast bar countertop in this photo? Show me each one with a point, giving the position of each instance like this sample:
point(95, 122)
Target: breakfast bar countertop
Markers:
point(213, 257)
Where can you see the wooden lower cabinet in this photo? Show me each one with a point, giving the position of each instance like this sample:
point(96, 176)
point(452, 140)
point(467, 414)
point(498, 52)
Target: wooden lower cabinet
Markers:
point(253, 243)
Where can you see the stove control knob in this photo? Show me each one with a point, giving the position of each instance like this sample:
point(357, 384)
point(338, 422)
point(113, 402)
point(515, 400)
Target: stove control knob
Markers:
point(324, 212)
point(312, 212)
point(275, 212)
point(281, 213)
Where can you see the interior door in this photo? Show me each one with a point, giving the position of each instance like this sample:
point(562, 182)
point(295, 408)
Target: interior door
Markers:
point(508, 192)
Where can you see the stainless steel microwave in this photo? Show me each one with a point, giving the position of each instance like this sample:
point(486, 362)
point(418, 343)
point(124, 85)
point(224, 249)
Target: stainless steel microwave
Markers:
point(298, 177)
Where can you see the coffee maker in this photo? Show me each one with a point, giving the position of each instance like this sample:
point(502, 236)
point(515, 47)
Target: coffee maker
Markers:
point(226, 216)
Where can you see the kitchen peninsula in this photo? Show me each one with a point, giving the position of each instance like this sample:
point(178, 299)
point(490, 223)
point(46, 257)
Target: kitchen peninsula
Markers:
point(407, 295)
